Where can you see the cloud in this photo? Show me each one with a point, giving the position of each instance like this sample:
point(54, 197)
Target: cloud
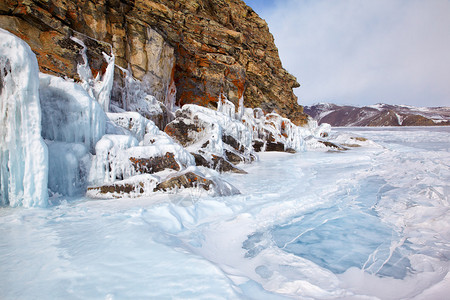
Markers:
point(364, 52)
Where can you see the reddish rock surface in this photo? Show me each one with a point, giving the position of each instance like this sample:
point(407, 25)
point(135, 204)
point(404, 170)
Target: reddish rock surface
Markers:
point(204, 46)
point(155, 164)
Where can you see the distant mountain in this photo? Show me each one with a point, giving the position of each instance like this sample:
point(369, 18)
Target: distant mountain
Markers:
point(378, 115)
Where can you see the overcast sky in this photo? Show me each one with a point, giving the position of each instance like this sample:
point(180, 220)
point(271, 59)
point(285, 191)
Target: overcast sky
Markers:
point(363, 51)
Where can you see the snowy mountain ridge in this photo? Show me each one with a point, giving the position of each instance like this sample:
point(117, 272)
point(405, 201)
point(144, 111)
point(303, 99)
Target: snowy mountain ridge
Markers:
point(378, 115)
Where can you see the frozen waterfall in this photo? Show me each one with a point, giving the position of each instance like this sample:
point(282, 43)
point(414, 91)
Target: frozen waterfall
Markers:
point(69, 114)
point(23, 153)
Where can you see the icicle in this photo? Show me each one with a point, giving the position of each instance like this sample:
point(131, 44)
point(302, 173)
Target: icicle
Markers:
point(100, 87)
point(241, 108)
point(23, 154)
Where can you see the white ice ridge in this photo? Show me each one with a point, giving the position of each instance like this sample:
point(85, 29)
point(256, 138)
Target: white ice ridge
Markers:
point(23, 154)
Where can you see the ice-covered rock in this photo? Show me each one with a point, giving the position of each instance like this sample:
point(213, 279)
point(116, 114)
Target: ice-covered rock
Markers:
point(136, 186)
point(212, 134)
point(219, 163)
point(120, 157)
point(69, 114)
point(109, 163)
point(132, 95)
point(99, 88)
point(23, 154)
point(133, 122)
point(272, 132)
point(194, 178)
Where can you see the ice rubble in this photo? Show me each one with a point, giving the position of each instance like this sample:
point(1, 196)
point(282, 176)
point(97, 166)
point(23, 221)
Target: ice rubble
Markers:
point(115, 153)
point(23, 154)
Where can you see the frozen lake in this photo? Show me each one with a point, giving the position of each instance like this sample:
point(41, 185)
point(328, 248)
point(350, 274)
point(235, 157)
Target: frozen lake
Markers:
point(369, 223)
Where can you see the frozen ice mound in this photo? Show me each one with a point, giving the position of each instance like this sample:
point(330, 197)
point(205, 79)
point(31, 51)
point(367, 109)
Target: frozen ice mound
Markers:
point(23, 153)
point(135, 123)
point(69, 114)
point(69, 165)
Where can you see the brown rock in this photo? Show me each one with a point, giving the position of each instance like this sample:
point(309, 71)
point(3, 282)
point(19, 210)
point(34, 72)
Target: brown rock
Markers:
point(116, 189)
point(186, 180)
point(141, 185)
point(217, 163)
point(332, 145)
point(155, 164)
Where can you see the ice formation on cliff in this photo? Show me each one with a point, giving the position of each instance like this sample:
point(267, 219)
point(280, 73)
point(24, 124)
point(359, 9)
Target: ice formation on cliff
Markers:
point(68, 168)
point(23, 154)
point(90, 147)
point(69, 114)
point(99, 87)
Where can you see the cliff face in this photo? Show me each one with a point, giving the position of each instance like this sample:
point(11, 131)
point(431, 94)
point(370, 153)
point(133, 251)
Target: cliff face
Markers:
point(200, 47)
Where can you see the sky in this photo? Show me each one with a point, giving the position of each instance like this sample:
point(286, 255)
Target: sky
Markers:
point(363, 52)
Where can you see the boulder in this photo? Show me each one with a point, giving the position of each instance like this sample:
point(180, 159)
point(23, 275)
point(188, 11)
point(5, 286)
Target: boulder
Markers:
point(136, 186)
point(186, 180)
point(197, 178)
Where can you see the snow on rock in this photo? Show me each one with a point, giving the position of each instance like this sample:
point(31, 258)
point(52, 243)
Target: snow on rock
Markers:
point(212, 134)
point(23, 154)
point(109, 164)
point(352, 140)
point(69, 114)
point(134, 97)
point(134, 122)
point(200, 179)
point(69, 165)
point(136, 186)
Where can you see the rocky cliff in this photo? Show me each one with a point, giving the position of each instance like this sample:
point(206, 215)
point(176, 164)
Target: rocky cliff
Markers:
point(379, 115)
point(186, 51)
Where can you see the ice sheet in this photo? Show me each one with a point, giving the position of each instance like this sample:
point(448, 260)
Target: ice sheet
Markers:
point(370, 223)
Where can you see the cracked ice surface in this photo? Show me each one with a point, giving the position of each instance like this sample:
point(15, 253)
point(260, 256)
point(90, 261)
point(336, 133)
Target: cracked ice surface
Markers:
point(370, 223)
